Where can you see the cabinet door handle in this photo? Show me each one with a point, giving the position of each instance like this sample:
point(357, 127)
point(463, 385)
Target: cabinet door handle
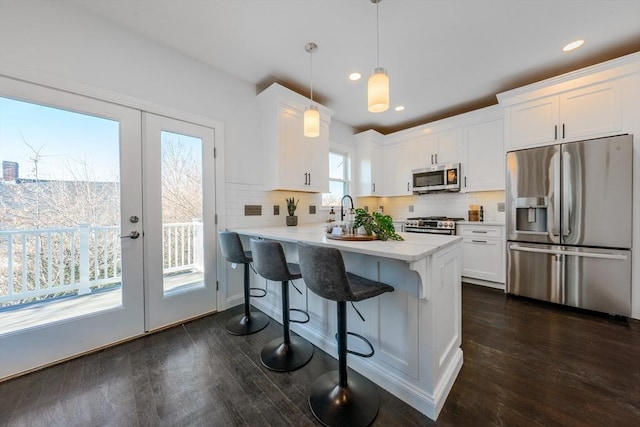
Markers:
point(432, 159)
point(309, 178)
point(563, 131)
point(465, 182)
point(373, 187)
point(306, 178)
point(479, 241)
point(478, 231)
point(555, 132)
point(407, 186)
point(436, 157)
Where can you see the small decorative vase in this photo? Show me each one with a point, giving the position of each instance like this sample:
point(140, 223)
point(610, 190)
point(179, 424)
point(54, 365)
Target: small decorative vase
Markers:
point(292, 220)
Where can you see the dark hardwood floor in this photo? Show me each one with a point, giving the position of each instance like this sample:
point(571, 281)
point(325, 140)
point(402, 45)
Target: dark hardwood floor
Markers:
point(525, 364)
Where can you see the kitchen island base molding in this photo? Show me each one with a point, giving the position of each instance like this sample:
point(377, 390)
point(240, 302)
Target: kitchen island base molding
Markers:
point(416, 334)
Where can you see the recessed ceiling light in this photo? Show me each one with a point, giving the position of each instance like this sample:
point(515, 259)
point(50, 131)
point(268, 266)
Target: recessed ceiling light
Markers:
point(355, 76)
point(573, 45)
point(399, 108)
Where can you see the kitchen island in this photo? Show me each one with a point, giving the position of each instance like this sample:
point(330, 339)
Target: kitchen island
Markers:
point(415, 330)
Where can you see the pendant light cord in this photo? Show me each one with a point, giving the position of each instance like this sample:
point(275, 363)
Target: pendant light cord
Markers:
point(378, 33)
point(311, 73)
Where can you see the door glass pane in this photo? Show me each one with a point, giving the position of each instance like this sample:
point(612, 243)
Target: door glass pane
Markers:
point(181, 176)
point(60, 251)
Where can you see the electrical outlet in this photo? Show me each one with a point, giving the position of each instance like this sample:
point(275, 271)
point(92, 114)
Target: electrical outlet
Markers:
point(410, 208)
point(366, 208)
point(252, 210)
point(312, 209)
point(276, 209)
point(501, 207)
point(381, 209)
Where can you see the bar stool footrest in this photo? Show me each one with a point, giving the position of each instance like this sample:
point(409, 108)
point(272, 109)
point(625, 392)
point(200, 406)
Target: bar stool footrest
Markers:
point(261, 293)
point(366, 341)
point(299, 311)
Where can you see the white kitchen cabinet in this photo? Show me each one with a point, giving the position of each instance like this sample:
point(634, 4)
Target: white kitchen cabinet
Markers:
point(399, 161)
point(483, 254)
point(291, 160)
point(368, 164)
point(483, 168)
point(585, 112)
point(440, 147)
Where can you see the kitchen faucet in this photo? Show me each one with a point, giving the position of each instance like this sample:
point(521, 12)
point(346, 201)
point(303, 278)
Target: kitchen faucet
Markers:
point(346, 196)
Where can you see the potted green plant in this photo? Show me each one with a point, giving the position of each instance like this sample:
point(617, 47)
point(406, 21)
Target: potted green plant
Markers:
point(379, 224)
point(292, 218)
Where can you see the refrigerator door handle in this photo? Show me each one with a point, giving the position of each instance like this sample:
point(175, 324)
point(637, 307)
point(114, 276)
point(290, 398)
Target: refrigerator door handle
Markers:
point(567, 192)
point(556, 194)
point(601, 255)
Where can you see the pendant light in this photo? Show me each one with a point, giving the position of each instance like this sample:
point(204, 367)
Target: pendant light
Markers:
point(311, 113)
point(378, 85)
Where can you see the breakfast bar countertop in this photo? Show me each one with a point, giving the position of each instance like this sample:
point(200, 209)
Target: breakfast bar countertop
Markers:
point(413, 248)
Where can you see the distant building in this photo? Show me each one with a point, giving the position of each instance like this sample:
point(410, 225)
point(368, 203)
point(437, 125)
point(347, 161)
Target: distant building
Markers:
point(10, 170)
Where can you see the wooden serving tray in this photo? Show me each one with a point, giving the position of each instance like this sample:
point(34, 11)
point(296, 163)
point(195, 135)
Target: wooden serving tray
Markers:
point(352, 237)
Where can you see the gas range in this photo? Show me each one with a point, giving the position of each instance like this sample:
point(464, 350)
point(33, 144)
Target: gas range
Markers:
point(431, 225)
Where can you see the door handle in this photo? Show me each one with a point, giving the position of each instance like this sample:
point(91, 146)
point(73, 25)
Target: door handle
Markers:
point(373, 187)
point(436, 158)
point(555, 132)
point(479, 241)
point(407, 186)
point(309, 178)
point(133, 235)
point(432, 159)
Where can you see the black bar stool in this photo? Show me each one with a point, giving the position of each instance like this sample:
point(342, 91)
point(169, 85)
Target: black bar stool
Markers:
point(246, 323)
point(336, 400)
point(291, 352)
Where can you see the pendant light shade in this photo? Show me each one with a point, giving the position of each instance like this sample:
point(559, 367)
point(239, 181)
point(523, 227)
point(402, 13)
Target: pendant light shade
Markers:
point(378, 85)
point(378, 91)
point(311, 122)
point(311, 113)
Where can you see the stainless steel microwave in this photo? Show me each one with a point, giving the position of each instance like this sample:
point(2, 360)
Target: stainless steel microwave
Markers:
point(436, 178)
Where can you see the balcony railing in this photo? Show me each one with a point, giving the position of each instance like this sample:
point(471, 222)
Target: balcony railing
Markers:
point(57, 261)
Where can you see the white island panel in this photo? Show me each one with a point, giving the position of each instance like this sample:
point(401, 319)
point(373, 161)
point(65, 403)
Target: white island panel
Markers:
point(415, 330)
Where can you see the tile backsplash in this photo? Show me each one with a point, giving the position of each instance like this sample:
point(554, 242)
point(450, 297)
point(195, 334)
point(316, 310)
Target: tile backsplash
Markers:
point(446, 204)
point(449, 204)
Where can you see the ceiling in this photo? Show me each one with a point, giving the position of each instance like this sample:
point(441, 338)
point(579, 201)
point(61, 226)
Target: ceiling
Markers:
point(444, 57)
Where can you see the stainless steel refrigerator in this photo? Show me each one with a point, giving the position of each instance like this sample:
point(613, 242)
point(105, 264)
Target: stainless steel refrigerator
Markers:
point(569, 218)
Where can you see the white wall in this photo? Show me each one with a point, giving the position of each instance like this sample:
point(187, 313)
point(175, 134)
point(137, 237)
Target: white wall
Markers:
point(59, 40)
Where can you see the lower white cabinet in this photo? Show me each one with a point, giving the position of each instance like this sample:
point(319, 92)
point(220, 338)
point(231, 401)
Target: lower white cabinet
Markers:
point(483, 254)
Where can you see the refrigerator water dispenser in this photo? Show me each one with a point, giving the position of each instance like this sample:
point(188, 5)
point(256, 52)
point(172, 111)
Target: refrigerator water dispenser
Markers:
point(531, 214)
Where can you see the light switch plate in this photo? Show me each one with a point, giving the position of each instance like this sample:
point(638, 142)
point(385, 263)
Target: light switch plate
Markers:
point(501, 207)
point(410, 208)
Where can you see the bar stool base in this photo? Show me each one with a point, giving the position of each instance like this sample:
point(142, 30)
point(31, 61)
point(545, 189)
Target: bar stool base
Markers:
point(354, 406)
point(243, 325)
point(281, 357)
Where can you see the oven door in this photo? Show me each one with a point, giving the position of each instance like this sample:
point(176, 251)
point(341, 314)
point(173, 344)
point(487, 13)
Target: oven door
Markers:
point(409, 229)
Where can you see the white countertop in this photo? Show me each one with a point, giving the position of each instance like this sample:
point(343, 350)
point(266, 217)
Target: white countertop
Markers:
point(416, 246)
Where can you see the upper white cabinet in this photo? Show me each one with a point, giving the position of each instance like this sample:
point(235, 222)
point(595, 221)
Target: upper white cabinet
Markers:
point(483, 167)
point(368, 164)
point(399, 161)
point(588, 103)
point(291, 160)
point(439, 147)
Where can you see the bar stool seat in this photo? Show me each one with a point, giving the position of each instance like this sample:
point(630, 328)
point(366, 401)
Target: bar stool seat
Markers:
point(289, 352)
point(247, 322)
point(335, 398)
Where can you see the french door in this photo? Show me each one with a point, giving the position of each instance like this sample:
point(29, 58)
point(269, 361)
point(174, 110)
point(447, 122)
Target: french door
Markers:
point(107, 224)
point(71, 187)
point(179, 227)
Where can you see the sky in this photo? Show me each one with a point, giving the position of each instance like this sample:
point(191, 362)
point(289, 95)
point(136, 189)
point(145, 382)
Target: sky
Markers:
point(64, 140)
